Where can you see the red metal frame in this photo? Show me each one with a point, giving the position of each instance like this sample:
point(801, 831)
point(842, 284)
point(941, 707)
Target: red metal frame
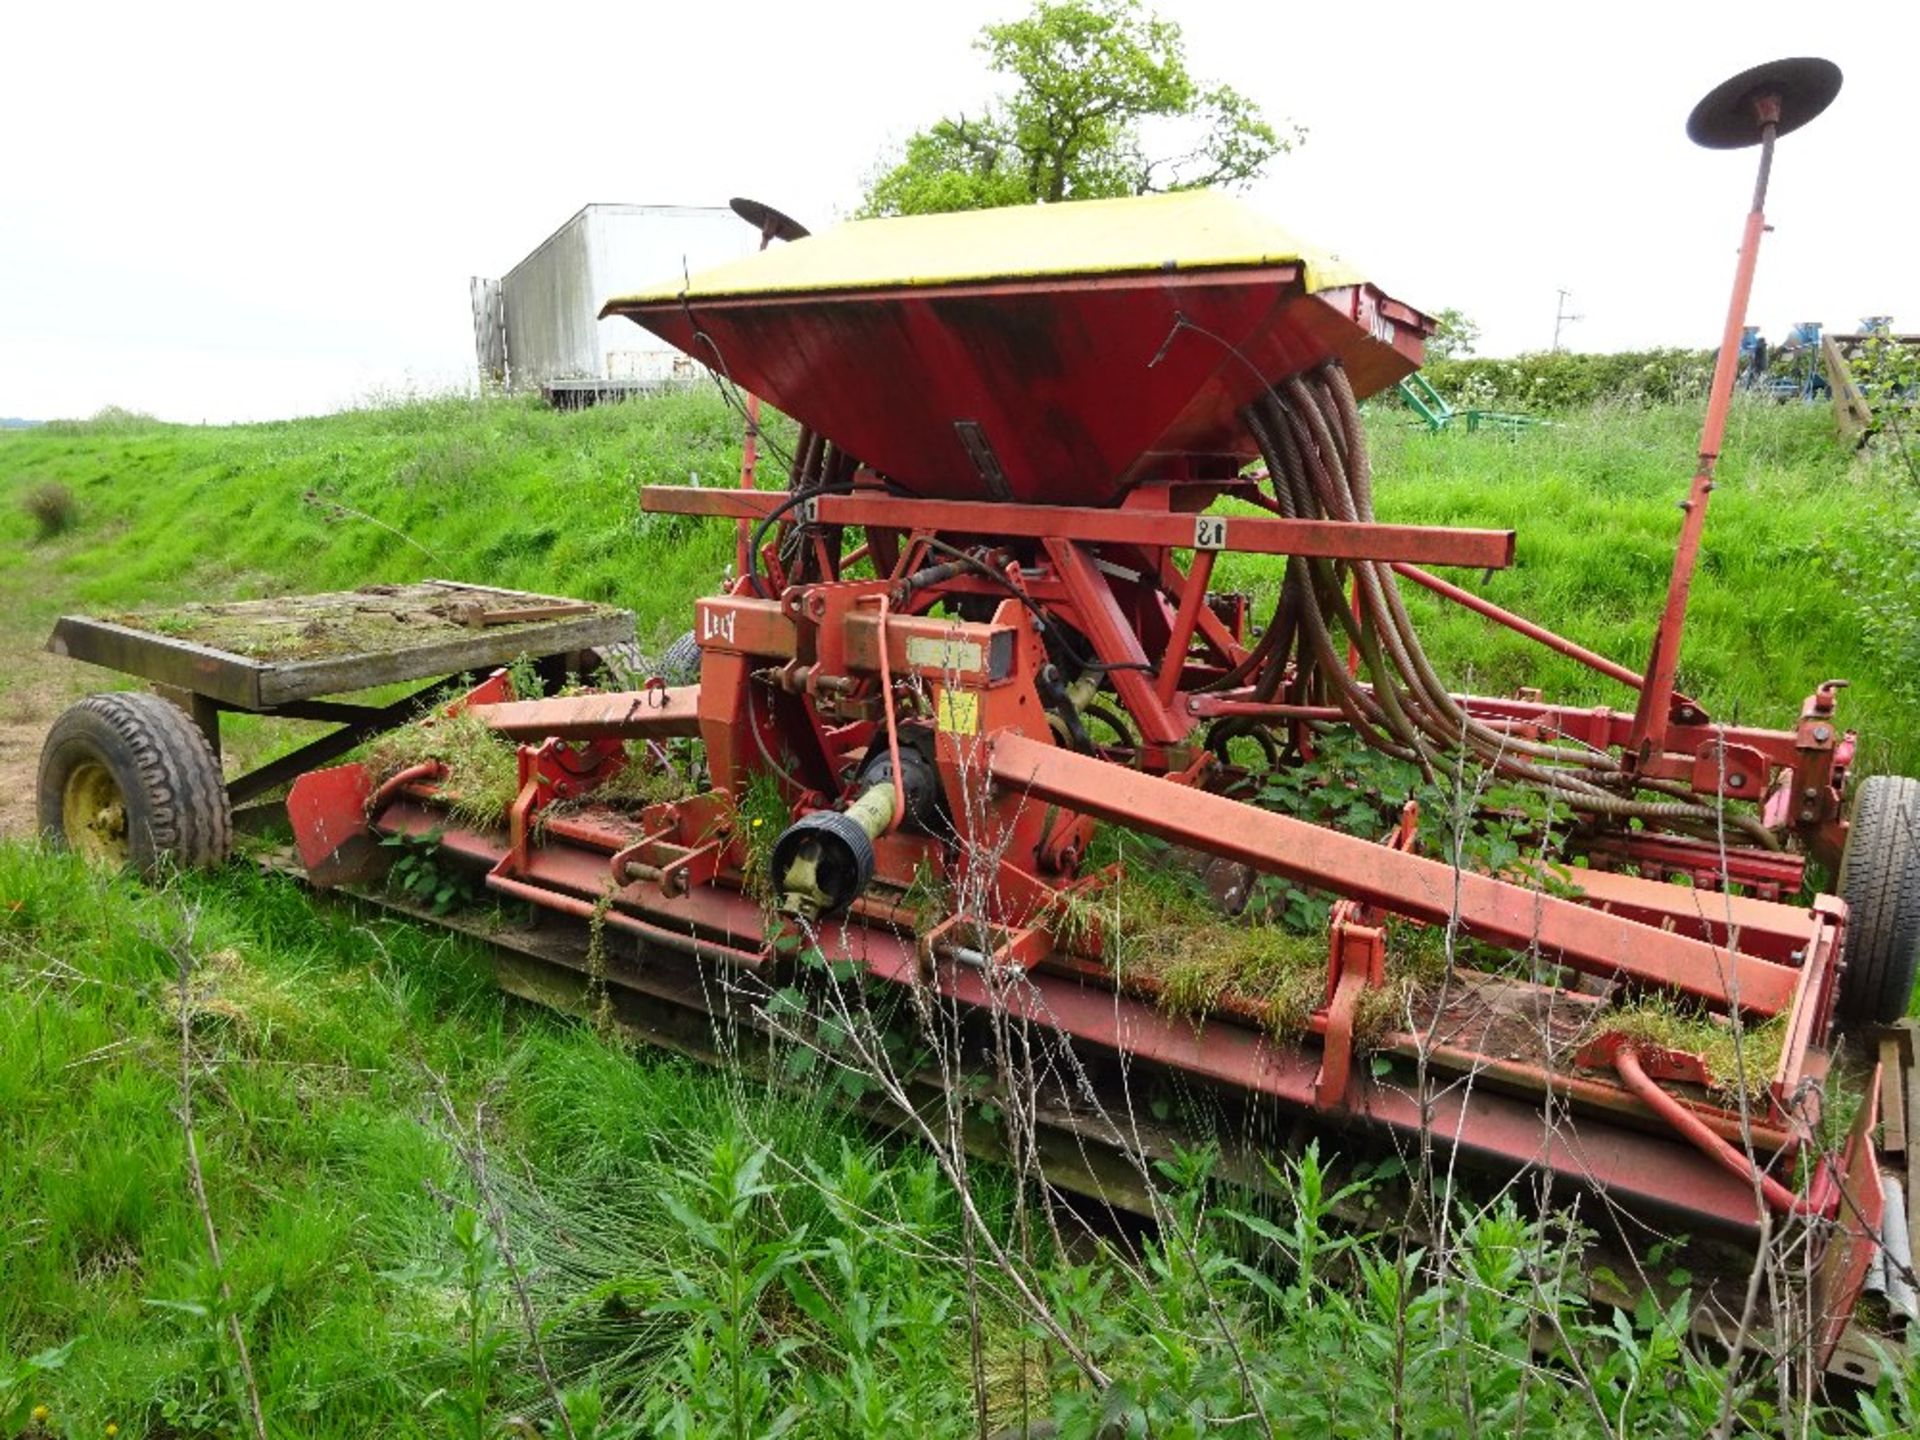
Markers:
point(1653, 714)
point(807, 682)
point(1142, 522)
point(831, 653)
point(1484, 1122)
point(960, 623)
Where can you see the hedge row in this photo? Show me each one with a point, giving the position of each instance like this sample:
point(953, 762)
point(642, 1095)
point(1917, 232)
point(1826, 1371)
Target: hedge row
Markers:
point(1561, 380)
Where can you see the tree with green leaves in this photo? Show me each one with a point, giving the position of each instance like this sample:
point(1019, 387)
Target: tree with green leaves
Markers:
point(1101, 105)
point(1454, 336)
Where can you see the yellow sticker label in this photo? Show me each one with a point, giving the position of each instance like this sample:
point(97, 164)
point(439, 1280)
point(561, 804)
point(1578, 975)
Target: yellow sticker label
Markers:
point(928, 653)
point(958, 712)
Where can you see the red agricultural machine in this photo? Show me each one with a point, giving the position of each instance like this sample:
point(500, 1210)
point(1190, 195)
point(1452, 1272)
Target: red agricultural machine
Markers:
point(978, 629)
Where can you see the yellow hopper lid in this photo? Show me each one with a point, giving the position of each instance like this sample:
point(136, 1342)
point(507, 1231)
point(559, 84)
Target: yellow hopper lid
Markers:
point(1183, 231)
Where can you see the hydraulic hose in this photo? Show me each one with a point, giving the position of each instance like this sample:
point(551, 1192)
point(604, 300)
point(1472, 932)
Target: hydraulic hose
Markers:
point(1310, 433)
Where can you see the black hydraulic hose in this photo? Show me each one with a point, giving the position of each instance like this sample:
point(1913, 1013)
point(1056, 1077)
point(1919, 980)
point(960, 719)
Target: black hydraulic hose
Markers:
point(806, 459)
point(1426, 701)
point(1048, 623)
point(1285, 469)
point(766, 520)
point(1315, 447)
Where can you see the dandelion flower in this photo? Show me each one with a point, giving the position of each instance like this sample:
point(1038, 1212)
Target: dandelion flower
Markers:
point(40, 1414)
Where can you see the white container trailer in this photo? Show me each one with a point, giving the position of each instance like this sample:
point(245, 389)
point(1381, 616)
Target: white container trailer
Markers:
point(538, 326)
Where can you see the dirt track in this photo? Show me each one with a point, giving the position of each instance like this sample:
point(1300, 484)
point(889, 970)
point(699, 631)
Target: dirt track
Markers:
point(39, 687)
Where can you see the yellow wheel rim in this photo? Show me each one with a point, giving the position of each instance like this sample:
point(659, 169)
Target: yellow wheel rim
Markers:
point(93, 813)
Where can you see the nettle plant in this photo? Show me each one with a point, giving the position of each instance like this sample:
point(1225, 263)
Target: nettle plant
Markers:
point(1492, 827)
point(419, 873)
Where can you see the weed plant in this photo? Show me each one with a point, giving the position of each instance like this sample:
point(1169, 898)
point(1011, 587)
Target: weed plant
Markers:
point(52, 509)
point(706, 1256)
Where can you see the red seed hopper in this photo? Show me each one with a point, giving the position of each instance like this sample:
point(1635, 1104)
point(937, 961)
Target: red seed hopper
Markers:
point(1051, 355)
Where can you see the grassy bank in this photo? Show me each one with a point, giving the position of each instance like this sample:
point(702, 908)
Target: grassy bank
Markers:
point(508, 492)
point(505, 492)
point(702, 1256)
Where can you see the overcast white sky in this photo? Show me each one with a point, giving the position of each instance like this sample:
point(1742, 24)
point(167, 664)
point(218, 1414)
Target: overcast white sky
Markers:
point(230, 212)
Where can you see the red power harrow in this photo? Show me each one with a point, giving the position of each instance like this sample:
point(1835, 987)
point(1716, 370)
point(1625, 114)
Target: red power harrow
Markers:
point(978, 623)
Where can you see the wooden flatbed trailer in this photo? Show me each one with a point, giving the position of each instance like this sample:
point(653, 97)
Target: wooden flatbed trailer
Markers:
point(298, 657)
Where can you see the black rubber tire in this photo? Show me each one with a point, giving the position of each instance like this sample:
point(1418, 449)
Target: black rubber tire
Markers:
point(681, 664)
point(174, 797)
point(1880, 881)
point(628, 668)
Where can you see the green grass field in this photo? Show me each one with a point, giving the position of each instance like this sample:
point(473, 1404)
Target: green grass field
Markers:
point(509, 493)
point(705, 1256)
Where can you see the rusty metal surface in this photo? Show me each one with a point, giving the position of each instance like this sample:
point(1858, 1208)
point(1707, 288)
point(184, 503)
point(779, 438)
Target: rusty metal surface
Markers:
point(1506, 1134)
point(1246, 534)
point(1136, 376)
point(1410, 885)
point(1850, 1251)
point(328, 811)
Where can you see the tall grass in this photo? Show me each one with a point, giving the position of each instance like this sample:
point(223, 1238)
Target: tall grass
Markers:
point(322, 1040)
point(706, 1254)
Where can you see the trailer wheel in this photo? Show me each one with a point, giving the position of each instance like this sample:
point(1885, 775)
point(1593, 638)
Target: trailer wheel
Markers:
point(626, 665)
point(127, 779)
point(681, 664)
point(1880, 881)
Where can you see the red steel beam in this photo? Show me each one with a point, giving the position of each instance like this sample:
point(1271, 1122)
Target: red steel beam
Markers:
point(1410, 885)
point(1786, 927)
point(1656, 695)
point(662, 712)
point(1249, 534)
point(1591, 725)
point(1520, 625)
point(1193, 599)
point(1115, 643)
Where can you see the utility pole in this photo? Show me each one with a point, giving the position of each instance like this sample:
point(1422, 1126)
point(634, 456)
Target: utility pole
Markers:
point(1561, 315)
